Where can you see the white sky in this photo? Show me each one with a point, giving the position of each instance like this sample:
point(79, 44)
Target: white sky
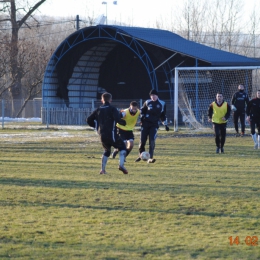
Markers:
point(143, 13)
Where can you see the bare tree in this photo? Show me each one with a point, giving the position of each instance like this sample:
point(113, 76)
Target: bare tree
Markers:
point(17, 16)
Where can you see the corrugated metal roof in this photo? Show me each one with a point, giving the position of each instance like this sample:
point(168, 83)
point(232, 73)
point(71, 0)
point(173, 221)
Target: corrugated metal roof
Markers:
point(176, 43)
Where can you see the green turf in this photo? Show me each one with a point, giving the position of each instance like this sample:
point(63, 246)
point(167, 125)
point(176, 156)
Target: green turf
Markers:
point(55, 205)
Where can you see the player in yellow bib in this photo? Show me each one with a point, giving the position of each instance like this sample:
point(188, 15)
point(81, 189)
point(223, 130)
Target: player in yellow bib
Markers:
point(130, 115)
point(218, 114)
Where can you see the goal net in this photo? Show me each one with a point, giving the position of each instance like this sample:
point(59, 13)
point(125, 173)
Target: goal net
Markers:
point(196, 88)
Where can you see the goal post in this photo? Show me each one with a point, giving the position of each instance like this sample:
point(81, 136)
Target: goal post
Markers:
point(196, 87)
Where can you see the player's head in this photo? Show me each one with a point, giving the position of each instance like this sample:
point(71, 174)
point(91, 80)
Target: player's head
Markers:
point(133, 107)
point(153, 94)
point(241, 88)
point(219, 97)
point(106, 97)
point(258, 93)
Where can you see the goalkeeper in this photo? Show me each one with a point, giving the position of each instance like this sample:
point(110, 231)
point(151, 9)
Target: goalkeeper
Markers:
point(238, 105)
point(152, 111)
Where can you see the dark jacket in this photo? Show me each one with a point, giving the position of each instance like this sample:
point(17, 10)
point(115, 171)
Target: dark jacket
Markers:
point(152, 112)
point(253, 109)
point(240, 100)
point(104, 119)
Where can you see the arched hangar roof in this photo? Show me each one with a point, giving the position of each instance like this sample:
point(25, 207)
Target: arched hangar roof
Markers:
point(125, 61)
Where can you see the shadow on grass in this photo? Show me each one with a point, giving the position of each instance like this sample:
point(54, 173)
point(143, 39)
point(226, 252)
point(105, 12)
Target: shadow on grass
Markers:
point(177, 188)
point(188, 189)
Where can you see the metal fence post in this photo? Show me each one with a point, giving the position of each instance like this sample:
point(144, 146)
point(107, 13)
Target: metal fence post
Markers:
point(47, 116)
point(3, 113)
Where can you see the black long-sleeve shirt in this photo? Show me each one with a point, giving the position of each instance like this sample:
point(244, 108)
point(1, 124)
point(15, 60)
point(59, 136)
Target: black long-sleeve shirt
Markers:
point(153, 111)
point(104, 119)
point(240, 100)
point(253, 109)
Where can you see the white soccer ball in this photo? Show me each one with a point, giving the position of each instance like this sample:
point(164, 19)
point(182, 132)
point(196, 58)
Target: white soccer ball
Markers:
point(145, 156)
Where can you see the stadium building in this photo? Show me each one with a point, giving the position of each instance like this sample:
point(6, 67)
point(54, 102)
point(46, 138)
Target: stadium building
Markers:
point(130, 61)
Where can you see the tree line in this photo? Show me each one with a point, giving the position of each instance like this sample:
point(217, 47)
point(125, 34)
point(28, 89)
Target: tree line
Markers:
point(28, 39)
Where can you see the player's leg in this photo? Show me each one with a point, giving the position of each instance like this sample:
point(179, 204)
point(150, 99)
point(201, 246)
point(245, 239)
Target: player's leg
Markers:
point(107, 150)
point(152, 138)
point(223, 133)
point(258, 131)
point(121, 134)
point(253, 133)
point(217, 136)
point(142, 142)
point(242, 122)
point(129, 142)
point(120, 145)
point(235, 120)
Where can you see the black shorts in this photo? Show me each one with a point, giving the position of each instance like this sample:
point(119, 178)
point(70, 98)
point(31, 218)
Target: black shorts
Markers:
point(107, 142)
point(126, 135)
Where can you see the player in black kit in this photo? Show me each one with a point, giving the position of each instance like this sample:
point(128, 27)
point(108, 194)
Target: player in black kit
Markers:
point(238, 106)
point(104, 119)
point(253, 116)
point(152, 111)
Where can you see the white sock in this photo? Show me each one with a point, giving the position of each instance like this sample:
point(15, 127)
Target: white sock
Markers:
point(122, 155)
point(254, 138)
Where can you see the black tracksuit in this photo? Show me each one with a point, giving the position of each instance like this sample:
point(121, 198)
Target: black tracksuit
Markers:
point(240, 100)
point(104, 119)
point(151, 113)
point(253, 111)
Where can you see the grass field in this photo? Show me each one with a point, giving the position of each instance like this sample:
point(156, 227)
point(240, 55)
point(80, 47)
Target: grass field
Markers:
point(187, 205)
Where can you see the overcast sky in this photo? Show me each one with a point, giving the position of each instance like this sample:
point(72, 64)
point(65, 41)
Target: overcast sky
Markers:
point(143, 13)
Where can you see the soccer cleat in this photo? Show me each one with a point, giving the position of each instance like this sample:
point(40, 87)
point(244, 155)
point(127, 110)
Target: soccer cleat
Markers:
point(222, 150)
point(151, 161)
point(122, 169)
point(102, 172)
point(138, 159)
point(242, 134)
point(217, 150)
point(237, 135)
point(114, 154)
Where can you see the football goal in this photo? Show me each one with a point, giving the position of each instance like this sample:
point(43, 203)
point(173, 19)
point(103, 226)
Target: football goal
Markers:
point(195, 88)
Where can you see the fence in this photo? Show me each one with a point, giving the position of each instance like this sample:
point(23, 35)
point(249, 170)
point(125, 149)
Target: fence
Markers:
point(62, 115)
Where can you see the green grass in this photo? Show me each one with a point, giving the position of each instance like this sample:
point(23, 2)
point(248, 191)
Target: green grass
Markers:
point(55, 205)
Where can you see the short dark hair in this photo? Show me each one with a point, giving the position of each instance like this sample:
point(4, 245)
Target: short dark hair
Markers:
point(219, 93)
point(106, 96)
point(134, 104)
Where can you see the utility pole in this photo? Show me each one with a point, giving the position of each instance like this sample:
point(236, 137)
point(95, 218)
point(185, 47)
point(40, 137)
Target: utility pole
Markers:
point(77, 22)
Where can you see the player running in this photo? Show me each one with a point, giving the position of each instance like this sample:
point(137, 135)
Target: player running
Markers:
point(253, 117)
point(104, 119)
point(130, 115)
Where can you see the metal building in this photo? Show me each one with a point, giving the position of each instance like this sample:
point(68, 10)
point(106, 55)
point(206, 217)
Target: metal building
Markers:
point(125, 61)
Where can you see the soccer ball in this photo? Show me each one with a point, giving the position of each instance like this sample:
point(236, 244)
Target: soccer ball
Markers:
point(145, 156)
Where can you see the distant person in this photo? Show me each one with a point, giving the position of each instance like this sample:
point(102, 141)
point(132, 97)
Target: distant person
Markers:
point(104, 119)
point(218, 114)
point(253, 117)
point(152, 111)
point(130, 115)
point(238, 105)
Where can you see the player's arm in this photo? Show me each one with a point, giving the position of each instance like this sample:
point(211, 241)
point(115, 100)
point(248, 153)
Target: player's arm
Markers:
point(163, 118)
point(117, 117)
point(91, 120)
point(247, 100)
point(227, 115)
point(233, 100)
point(248, 109)
point(143, 111)
point(210, 112)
